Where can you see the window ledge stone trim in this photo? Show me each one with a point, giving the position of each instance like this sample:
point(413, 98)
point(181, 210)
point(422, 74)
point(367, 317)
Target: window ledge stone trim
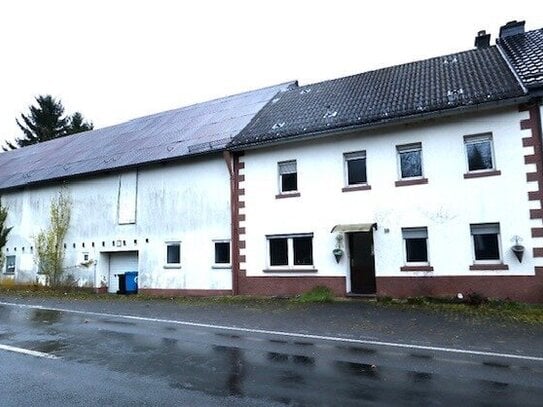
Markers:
point(290, 270)
point(490, 173)
point(489, 267)
point(172, 266)
point(417, 268)
point(287, 195)
point(408, 182)
point(349, 188)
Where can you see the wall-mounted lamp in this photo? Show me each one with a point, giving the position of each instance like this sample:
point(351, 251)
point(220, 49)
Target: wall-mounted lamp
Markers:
point(517, 248)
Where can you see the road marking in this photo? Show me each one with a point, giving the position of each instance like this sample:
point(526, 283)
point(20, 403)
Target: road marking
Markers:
point(288, 334)
point(28, 352)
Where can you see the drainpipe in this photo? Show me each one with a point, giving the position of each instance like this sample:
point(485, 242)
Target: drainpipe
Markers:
point(232, 161)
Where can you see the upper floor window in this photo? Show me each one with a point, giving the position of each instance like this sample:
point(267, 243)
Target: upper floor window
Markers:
point(479, 152)
point(290, 251)
point(410, 160)
point(486, 242)
point(288, 177)
point(416, 245)
point(10, 265)
point(355, 168)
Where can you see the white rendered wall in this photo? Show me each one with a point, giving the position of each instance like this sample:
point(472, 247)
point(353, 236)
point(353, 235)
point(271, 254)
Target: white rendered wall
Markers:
point(187, 201)
point(446, 205)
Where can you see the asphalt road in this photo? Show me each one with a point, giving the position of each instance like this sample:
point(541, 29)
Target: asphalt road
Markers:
point(87, 357)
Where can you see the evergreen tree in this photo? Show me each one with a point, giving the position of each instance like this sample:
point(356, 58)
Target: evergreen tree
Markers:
point(78, 124)
point(46, 121)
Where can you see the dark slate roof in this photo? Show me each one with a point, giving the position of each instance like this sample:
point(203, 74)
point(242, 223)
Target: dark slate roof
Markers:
point(196, 129)
point(525, 52)
point(437, 84)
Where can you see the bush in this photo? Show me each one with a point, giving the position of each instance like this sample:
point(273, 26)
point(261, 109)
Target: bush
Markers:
point(317, 294)
point(475, 299)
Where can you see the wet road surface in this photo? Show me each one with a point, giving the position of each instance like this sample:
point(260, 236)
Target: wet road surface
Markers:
point(111, 360)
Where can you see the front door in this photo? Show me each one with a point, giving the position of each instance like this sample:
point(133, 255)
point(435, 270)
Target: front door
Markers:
point(362, 263)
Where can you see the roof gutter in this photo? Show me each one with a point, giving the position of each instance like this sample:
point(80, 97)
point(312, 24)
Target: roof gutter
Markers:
point(384, 123)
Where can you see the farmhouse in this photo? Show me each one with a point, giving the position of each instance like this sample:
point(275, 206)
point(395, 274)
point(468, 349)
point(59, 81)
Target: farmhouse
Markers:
point(419, 179)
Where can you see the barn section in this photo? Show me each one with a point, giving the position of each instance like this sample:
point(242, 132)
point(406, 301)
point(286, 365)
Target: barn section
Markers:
point(156, 187)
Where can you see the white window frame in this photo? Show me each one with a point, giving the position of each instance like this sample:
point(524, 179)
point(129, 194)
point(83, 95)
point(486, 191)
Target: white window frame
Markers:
point(472, 139)
point(6, 271)
point(290, 252)
point(498, 237)
point(414, 231)
point(354, 155)
point(222, 265)
point(166, 245)
point(279, 177)
point(406, 148)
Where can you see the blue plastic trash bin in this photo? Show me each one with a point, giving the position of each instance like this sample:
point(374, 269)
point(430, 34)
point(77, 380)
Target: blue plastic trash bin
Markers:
point(131, 282)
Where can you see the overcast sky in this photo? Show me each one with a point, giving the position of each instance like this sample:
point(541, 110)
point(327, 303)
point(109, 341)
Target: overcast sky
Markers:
point(117, 60)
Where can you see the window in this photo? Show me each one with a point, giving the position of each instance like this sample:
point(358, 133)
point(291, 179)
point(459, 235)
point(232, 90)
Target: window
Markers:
point(486, 242)
point(127, 198)
point(479, 151)
point(416, 247)
point(288, 176)
point(410, 160)
point(173, 254)
point(355, 168)
point(222, 253)
point(10, 264)
point(291, 251)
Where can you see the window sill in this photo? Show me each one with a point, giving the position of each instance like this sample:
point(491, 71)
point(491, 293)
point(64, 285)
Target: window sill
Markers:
point(9, 273)
point(290, 270)
point(408, 182)
point(221, 266)
point(489, 173)
point(417, 268)
point(287, 195)
point(172, 266)
point(361, 187)
point(489, 267)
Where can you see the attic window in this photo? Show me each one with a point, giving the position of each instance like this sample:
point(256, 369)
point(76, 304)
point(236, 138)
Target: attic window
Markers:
point(329, 114)
point(278, 125)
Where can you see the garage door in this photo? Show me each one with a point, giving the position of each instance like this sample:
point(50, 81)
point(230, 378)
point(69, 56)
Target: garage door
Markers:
point(120, 263)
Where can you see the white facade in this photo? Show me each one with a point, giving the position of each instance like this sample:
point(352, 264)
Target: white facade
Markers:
point(446, 205)
point(133, 211)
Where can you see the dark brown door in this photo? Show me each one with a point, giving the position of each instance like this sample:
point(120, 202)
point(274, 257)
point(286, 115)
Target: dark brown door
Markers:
point(362, 263)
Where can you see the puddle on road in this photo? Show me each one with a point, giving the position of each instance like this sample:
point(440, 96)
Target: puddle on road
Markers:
point(45, 316)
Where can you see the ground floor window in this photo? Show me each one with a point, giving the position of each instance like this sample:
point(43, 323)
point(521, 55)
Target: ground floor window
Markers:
point(290, 251)
point(10, 265)
point(416, 245)
point(222, 253)
point(173, 254)
point(486, 242)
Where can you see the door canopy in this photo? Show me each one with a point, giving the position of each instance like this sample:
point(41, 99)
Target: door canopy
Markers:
point(354, 227)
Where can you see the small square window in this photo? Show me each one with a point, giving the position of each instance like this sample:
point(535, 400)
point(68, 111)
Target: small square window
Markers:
point(410, 160)
point(479, 151)
point(486, 242)
point(291, 251)
point(416, 244)
point(10, 264)
point(173, 254)
point(222, 253)
point(355, 166)
point(288, 176)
